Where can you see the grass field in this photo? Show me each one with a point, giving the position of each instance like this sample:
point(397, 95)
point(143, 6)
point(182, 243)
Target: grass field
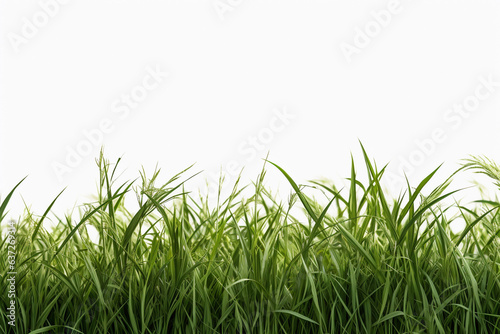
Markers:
point(363, 263)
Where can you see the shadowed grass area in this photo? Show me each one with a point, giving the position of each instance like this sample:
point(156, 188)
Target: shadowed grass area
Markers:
point(360, 264)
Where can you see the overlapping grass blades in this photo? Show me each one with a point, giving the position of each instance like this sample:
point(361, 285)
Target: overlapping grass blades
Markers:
point(363, 263)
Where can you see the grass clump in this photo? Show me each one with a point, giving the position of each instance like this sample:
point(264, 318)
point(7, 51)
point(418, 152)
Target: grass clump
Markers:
point(360, 264)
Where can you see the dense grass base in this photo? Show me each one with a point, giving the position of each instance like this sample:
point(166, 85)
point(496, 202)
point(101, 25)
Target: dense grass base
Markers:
point(361, 264)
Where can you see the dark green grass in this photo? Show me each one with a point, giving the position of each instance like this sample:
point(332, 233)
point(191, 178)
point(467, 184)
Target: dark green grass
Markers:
point(360, 264)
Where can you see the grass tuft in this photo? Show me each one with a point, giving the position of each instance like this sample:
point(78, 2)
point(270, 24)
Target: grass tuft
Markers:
point(179, 264)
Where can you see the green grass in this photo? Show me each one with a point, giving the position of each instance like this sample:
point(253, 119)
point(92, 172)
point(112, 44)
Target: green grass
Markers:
point(363, 263)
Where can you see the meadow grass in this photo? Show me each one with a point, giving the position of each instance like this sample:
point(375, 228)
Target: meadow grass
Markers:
point(363, 263)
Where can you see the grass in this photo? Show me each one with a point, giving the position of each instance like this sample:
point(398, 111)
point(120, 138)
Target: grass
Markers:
point(360, 264)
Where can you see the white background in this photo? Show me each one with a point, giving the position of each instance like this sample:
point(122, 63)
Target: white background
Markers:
point(232, 65)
